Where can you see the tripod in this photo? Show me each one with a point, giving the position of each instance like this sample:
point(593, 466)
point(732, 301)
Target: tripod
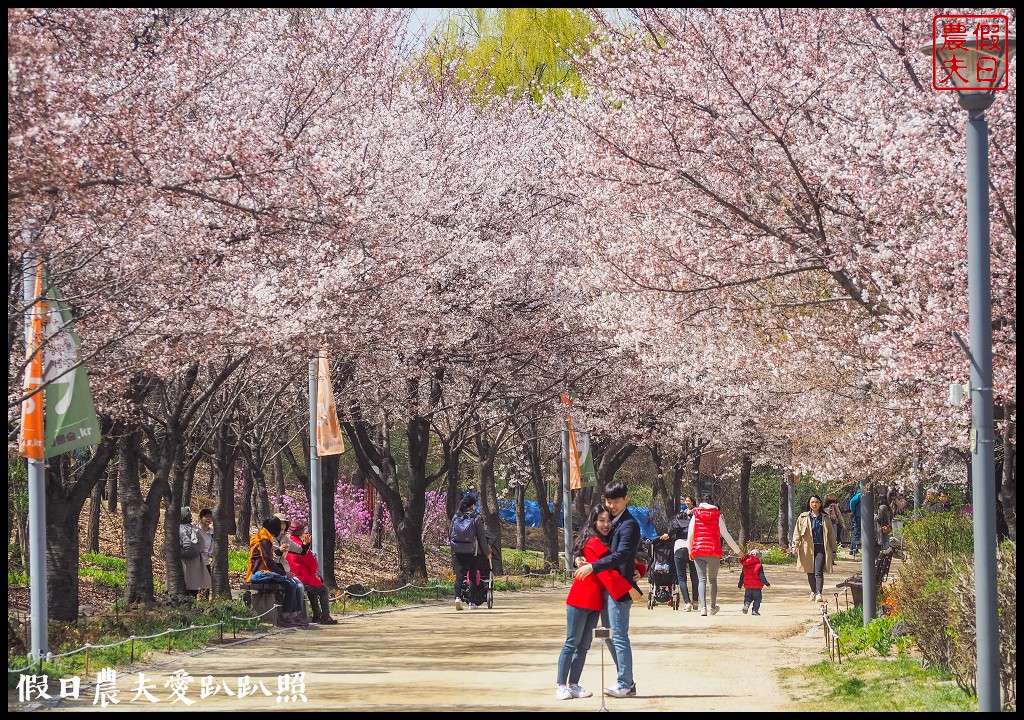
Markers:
point(602, 634)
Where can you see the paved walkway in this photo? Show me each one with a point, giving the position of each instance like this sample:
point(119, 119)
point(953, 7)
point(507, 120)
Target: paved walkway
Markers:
point(431, 657)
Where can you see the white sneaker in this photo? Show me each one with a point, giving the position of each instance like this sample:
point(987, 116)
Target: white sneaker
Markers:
point(458, 604)
point(473, 606)
point(817, 598)
point(812, 595)
point(577, 692)
point(715, 609)
point(562, 693)
point(689, 608)
point(621, 692)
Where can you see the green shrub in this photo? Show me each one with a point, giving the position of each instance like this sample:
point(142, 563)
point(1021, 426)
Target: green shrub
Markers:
point(880, 635)
point(935, 596)
point(16, 578)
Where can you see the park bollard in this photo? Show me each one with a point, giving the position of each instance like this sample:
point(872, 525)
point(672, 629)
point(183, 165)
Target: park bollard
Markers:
point(192, 634)
point(132, 657)
point(220, 626)
point(87, 646)
point(170, 636)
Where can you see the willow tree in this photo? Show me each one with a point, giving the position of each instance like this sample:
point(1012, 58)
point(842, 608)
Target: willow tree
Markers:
point(513, 51)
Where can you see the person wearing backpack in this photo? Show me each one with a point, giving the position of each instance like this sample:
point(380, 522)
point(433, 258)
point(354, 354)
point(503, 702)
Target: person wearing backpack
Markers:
point(469, 546)
point(191, 546)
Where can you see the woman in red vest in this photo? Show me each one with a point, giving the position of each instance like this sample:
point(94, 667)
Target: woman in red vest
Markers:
point(704, 541)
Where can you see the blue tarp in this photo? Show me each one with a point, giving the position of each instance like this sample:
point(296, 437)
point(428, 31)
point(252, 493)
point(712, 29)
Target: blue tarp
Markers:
point(507, 511)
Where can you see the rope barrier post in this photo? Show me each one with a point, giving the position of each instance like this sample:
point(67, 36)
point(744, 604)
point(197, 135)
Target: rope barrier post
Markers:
point(87, 658)
point(169, 637)
point(133, 649)
point(192, 634)
point(221, 627)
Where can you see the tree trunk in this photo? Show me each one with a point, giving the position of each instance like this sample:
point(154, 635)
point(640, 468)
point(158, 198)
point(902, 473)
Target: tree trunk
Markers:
point(611, 458)
point(278, 475)
point(745, 500)
point(140, 521)
point(174, 573)
point(246, 495)
point(1007, 495)
point(520, 517)
point(112, 487)
point(784, 510)
point(92, 531)
point(223, 466)
point(489, 504)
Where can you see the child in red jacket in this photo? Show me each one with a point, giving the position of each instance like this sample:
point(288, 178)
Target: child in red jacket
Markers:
point(752, 579)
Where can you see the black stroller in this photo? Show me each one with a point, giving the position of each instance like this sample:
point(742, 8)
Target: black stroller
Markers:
point(484, 594)
point(661, 574)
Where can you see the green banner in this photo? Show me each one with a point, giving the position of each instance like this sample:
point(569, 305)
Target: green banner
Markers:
point(70, 421)
point(588, 475)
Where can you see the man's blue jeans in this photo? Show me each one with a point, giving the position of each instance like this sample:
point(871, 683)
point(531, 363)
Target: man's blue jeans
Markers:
point(855, 533)
point(579, 633)
point(616, 616)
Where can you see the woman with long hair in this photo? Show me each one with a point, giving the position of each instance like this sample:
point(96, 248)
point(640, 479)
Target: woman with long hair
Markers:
point(814, 544)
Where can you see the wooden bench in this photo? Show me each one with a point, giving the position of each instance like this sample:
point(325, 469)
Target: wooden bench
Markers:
point(262, 597)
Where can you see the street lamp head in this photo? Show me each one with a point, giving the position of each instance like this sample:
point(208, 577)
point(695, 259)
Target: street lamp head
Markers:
point(974, 72)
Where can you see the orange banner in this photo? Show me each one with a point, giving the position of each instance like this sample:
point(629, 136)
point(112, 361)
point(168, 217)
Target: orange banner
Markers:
point(329, 438)
point(575, 477)
point(30, 443)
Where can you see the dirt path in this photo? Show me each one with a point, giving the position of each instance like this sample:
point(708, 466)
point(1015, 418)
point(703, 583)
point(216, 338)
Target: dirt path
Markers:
point(432, 657)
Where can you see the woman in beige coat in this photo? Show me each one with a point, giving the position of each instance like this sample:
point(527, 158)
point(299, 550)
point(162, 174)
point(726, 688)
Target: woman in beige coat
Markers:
point(814, 544)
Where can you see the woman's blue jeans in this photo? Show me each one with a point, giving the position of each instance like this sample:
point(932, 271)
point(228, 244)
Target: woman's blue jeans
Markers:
point(683, 563)
point(579, 633)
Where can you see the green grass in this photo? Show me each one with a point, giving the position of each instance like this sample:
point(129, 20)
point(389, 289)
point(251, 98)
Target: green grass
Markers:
point(514, 561)
point(874, 684)
point(237, 560)
point(107, 630)
point(103, 569)
point(104, 561)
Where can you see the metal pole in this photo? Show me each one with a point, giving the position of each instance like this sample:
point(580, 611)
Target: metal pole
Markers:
point(868, 551)
point(36, 498)
point(315, 519)
point(982, 435)
point(566, 502)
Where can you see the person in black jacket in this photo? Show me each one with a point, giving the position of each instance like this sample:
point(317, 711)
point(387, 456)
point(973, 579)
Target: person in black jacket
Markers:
point(678, 527)
point(624, 543)
point(469, 564)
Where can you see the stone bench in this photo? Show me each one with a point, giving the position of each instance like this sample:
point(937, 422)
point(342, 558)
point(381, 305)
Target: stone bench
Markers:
point(262, 597)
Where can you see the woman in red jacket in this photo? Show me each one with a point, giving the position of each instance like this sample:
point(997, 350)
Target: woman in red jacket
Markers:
point(585, 602)
point(307, 569)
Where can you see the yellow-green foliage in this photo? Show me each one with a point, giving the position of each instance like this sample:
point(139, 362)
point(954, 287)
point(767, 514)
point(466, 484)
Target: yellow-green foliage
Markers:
point(502, 51)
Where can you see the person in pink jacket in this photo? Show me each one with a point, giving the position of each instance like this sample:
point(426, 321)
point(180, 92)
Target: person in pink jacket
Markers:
point(585, 601)
point(307, 569)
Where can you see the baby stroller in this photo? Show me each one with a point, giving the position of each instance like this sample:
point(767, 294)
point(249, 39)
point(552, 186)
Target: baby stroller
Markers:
point(484, 594)
point(662, 575)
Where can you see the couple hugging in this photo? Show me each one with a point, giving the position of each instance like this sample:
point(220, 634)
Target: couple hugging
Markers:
point(603, 588)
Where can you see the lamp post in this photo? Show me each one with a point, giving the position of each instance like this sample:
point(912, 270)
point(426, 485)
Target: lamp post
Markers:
point(975, 102)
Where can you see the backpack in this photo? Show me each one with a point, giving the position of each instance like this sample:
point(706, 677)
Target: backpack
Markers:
point(463, 534)
point(188, 541)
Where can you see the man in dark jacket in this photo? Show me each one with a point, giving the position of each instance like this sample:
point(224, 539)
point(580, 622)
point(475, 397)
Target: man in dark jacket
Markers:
point(625, 541)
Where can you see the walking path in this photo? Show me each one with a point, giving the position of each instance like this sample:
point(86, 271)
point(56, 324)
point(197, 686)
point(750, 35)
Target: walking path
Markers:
point(432, 657)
